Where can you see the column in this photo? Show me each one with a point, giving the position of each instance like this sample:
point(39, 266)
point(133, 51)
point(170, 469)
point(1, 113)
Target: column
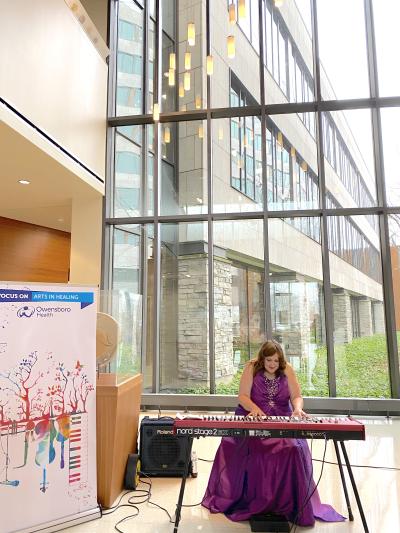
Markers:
point(86, 228)
point(365, 313)
point(193, 358)
point(342, 317)
point(379, 317)
point(223, 330)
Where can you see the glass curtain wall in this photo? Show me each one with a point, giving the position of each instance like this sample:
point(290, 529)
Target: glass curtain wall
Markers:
point(252, 191)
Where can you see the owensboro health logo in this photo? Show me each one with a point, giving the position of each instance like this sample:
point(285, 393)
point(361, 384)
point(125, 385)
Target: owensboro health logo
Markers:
point(26, 311)
point(41, 311)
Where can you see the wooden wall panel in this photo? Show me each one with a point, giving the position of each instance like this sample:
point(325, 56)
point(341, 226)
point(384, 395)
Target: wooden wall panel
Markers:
point(33, 253)
point(395, 255)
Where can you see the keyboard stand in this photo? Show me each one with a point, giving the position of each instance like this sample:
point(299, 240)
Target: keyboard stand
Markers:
point(353, 484)
point(339, 461)
point(346, 494)
point(183, 483)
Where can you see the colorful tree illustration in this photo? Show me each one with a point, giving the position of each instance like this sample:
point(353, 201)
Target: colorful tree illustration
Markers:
point(84, 388)
point(22, 380)
point(62, 379)
point(63, 391)
point(80, 388)
point(3, 403)
point(73, 393)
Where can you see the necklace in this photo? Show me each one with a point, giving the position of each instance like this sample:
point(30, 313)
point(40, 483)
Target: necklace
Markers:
point(271, 386)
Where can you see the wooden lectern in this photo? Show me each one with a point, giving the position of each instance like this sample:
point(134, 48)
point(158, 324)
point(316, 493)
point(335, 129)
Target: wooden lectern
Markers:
point(117, 418)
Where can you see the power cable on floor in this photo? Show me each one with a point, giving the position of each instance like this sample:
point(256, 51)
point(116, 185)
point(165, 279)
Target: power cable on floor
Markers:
point(141, 496)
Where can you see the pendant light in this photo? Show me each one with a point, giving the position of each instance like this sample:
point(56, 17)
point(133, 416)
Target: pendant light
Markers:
point(191, 34)
point(231, 46)
point(156, 112)
point(188, 60)
point(232, 13)
point(210, 65)
point(242, 9)
point(186, 81)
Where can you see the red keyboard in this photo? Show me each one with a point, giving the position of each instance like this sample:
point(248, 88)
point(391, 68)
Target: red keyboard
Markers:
point(335, 428)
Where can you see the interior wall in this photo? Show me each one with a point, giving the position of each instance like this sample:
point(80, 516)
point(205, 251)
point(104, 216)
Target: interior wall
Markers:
point(51, 73)
point(86, 235)
point(33, 253)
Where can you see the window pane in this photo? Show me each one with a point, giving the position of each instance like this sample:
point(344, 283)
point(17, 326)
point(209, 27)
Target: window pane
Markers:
point(150, 64)
point(268, 37)
point(391, 151)
point(359, 326)
point(184, 353)
point(127, 296)
point(304, 8)
point(245, 64)
point(349, 165)
point(152, 8)
point(344, 69)
point(237, 167)
point(288, 46)
point(133, 193)
point(149, 203)
point(128, 172)
point(189, 85)
point(255, 30)
point(239, 311)
point(129, 59)
point(297, 305)
point(292, 168)
point(386, 19)
point(184, 168)
point(168, 16)
point(168, 80)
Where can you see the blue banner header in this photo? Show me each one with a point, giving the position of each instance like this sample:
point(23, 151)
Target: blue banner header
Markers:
point(9, 295)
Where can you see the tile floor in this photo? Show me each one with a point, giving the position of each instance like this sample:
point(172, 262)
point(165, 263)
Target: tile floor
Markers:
point(379, 491)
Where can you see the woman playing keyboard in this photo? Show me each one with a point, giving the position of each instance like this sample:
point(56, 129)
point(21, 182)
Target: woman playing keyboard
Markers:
point(267, 475)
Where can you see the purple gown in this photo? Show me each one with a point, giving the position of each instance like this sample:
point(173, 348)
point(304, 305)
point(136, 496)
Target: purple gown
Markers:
point(253, 475)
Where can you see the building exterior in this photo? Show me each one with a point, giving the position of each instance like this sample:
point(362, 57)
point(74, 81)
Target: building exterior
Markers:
point(219, 264)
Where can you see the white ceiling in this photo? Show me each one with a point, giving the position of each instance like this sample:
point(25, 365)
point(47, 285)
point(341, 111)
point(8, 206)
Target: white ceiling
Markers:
point(47, 201)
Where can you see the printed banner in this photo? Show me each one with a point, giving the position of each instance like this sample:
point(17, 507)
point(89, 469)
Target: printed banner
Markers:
point(47, 404)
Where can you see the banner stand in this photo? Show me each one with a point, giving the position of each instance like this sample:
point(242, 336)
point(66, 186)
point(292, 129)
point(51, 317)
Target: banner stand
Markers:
point(47, 406)
point(65, 522)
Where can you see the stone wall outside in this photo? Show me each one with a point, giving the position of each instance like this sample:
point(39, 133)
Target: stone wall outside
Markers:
point(192, 345)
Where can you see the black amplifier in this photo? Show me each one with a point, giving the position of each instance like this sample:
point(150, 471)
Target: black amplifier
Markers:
point(161, 452)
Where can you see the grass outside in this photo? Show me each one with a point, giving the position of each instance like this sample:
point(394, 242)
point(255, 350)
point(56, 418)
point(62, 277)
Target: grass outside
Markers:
point(126, 363)
point(361, 372)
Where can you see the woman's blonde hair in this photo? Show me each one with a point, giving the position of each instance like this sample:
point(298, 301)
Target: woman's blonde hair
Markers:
point(267, 349)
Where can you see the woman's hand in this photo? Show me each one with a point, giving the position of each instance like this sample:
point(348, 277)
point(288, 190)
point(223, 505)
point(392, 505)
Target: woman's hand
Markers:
point(299, 413)
point(256, 412)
